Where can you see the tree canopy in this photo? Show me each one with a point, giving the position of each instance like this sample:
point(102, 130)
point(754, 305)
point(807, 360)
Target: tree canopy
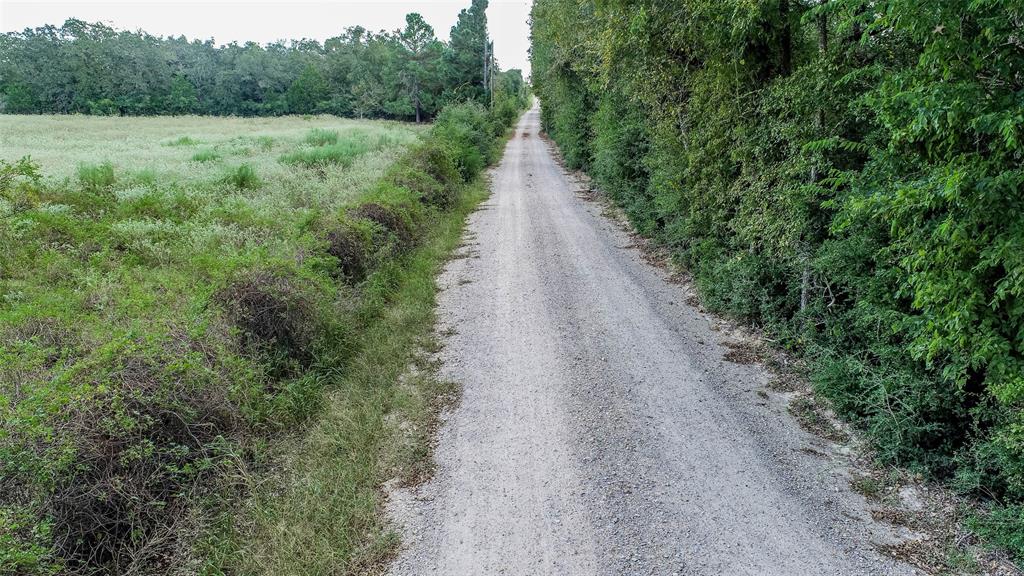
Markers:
point(406, 74)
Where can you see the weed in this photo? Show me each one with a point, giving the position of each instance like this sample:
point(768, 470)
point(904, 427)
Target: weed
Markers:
point(205, 155)
point(321, 137)
point(342, 152)
point(390, 219)
point(265, 143)
point(96, 176)
point(145, 177)
point(244, 177)
point(183, 141)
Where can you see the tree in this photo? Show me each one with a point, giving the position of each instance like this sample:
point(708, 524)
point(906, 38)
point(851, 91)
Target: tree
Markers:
point(81, 67)
point(307, 91)
point(422, 53)
point(182, 99)
point(467, 54)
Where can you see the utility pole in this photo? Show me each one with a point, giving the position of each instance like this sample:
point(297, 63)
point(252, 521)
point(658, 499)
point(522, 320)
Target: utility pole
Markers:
point(490, 78)
point(486, 62)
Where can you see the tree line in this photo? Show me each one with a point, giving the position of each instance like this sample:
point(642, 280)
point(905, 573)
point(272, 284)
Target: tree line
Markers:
point(406, 74)
point(846, 174)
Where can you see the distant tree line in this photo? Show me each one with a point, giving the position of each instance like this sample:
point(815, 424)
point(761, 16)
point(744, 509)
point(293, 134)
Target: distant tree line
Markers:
point(848, 174)
point(407, 74)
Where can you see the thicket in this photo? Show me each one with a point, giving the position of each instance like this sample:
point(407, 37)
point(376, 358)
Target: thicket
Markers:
point(845, 173)
point(406, 74)
point(153, 346)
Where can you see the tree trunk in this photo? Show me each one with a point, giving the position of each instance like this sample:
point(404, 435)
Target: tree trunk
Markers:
point(786, 66)
point(819, 124)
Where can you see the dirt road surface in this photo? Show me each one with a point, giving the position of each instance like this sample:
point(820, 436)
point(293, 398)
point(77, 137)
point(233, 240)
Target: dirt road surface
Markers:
point(600, 430)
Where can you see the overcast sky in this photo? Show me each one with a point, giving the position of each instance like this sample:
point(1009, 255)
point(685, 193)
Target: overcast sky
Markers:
point(266, 21)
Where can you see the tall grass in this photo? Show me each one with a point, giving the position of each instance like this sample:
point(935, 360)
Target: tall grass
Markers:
point(339, 152)
point(96, 176)
point(321, 137)
point(205, 155)
point(244, 177)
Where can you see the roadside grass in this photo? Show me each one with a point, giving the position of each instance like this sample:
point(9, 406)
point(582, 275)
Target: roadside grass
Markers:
point(321, 511)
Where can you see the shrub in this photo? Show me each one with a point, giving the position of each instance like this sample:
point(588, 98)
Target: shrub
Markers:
point(464, 129)
point(352, 245)
point(140, 451)
point(244, 177)
point(96, 176)
point(272, 315)
point(393, 222)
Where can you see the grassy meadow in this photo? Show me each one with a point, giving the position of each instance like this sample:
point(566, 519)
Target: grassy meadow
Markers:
point(176, 296)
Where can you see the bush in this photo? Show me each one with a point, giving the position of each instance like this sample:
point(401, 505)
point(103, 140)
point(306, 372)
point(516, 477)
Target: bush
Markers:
point(352, 245)
point(140, 450)
point(430, 172)
point(273, 316)
point(464, 128)
point(395, 228)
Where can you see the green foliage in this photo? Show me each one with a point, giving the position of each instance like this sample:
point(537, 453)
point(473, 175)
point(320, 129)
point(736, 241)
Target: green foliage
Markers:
point(96, 176)
point(183, 141)
point(328, 149)
point(205, 155)
point(320, 137)
point(406, 74)
point(465, 57)
point(183, 98)
point(19, 182)
point(158, 334)
point(465, 129)
point(1001, 527)
point(307, 91)
point(243, 177)
point(845, 174)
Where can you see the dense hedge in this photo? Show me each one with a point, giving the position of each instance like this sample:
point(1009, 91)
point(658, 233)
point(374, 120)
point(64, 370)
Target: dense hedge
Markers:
point(116, 444)
point(847, 174)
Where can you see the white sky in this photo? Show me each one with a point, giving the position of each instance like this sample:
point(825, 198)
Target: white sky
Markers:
point(266, 21)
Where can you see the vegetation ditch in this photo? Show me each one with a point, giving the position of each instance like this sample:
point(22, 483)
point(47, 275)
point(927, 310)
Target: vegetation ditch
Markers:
point(180, 379)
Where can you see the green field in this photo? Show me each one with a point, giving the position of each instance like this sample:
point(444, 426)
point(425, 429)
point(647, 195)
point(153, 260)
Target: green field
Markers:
point(171, 149)
point(177, 294)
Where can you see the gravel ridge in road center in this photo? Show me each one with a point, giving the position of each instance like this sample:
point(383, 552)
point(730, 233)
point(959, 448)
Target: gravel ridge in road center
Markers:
point(600, 430)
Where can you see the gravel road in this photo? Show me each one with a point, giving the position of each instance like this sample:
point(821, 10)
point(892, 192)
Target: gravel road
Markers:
point(600, 430)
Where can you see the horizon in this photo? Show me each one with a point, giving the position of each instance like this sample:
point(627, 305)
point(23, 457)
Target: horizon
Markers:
point(271, 22)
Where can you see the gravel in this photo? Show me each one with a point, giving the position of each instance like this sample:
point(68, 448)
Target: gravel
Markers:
point(600, 429)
